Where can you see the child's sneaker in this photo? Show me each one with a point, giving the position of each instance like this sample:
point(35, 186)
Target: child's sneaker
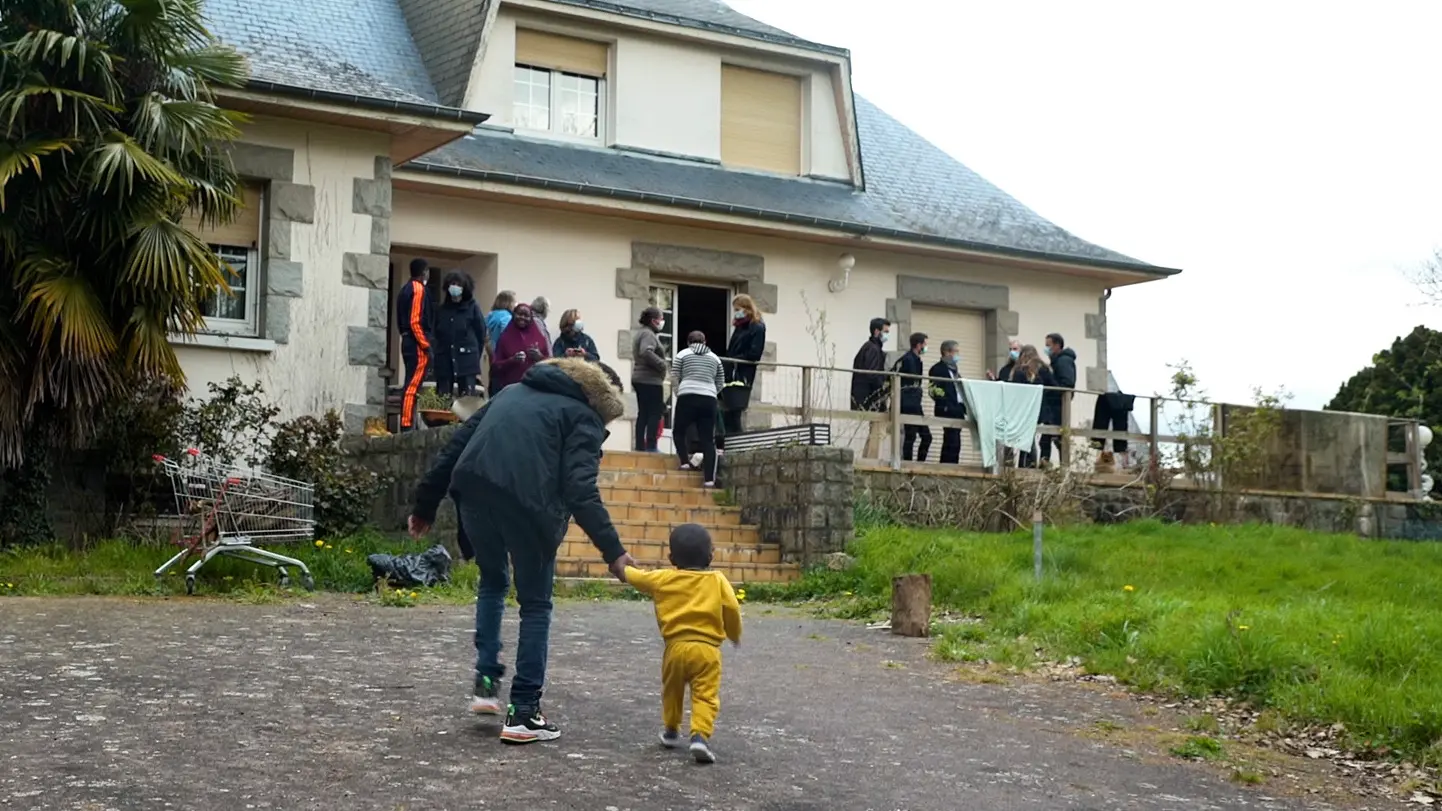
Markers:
point(528, 726)
point(670, 738)
point(701, 751)
point(486, 700)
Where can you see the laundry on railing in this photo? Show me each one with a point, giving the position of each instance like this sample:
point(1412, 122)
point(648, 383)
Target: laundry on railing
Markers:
point(1004, 412)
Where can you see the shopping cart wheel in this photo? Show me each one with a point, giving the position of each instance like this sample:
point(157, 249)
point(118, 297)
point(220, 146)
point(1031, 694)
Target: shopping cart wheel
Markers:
point(190, 584)
point(307, 581)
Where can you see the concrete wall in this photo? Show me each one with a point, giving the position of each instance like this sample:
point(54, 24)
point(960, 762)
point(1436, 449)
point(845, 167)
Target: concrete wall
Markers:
point(665, 94)
point(601, 264)
point(318, 293)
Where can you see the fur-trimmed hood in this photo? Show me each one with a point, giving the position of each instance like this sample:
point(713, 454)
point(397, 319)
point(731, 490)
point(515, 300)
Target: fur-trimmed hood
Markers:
point(600, 392)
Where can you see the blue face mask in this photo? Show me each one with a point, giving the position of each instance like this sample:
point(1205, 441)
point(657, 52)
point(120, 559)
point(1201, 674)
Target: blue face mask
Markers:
point(1015, 354)
point(738, 314)
point(454, 290)
point(950, 360)
point(1046, 350)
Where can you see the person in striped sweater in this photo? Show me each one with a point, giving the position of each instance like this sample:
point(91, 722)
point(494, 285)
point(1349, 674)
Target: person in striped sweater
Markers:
point(697, 379)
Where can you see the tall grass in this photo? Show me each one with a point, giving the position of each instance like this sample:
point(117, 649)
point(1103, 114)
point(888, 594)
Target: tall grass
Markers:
point(1322, 628)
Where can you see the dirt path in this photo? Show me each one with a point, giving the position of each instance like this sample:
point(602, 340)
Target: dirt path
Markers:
point(335, 704)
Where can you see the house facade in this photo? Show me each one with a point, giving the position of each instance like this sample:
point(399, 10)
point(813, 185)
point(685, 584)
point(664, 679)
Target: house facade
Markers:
point(609, 155)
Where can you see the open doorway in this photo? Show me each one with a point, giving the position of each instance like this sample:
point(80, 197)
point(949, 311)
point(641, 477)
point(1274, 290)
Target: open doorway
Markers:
point(691, 308)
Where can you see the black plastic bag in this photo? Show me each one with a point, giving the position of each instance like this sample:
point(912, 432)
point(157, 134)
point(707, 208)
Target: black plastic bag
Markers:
point(427, 568)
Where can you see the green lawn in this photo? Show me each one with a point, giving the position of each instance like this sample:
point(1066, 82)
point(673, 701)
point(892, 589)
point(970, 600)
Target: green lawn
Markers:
point(1319, 628)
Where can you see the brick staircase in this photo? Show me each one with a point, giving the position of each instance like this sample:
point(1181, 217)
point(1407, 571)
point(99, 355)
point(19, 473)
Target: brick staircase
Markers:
point(646, 496)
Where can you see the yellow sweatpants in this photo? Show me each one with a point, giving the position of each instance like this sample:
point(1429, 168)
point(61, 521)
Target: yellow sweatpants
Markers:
point(697, 665)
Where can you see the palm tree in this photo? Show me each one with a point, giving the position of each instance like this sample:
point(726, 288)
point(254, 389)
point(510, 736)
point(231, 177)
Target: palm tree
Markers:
point(111, 135)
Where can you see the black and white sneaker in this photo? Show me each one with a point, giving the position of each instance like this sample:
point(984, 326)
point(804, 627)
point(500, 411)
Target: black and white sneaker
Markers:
point(670, 738)
point(486, 700)
point(528, 726)
point(701, 751)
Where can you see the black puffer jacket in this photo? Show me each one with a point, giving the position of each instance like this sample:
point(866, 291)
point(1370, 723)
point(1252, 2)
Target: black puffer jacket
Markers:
point(1063, 368)
point(460, 333)
point(748, 343)
point(536, 448)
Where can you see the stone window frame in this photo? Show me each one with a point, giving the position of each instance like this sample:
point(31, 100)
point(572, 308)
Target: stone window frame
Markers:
point(743, 272)
point(284, 202)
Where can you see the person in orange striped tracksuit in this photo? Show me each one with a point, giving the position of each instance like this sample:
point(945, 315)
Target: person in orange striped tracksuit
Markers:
point(414, 316)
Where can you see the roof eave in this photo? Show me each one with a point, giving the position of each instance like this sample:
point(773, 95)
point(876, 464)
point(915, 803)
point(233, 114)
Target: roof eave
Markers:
point(623, 10)
point(842, 226)
point(420, 109)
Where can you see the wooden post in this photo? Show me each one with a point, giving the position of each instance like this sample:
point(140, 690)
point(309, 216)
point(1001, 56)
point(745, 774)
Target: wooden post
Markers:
point(1154, 463)
point(1218, 434)
point(806, 409)
point(1037, 524)
point(896, 431)
point(911, 605)
point(1065, 439)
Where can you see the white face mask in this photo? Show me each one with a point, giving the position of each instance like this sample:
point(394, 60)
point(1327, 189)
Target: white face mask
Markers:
point(738, 314)
point(579, 326)
point(660, 326)
point(454, 290)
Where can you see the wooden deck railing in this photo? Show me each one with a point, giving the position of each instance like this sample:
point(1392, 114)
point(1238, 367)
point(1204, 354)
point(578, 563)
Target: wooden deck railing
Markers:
point(803, 394)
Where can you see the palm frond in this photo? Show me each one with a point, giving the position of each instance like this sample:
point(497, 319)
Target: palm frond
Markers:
point(16, 158)
point(64, 308)
point(66, 51)
point(179, 125)
point(212, 65)
point(120, 159)
point(147, 343)
point(166, 256)
point(13, 102)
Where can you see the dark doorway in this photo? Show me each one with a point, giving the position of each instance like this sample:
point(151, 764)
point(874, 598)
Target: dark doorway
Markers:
point(706, 309)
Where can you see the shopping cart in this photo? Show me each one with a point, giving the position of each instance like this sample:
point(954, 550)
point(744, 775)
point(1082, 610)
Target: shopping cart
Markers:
point(230, 512)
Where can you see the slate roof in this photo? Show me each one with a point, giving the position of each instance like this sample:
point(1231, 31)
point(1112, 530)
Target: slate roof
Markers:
point(913, 189)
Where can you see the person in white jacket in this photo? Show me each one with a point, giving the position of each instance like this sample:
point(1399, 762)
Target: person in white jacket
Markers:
point(697, 378)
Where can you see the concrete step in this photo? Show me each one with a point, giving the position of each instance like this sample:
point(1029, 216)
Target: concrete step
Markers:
point(648, 511)
point(651, 479)
point(656, 553)
point(660, 531)
point(738, 573)
point(639, 494)
point(633, 460)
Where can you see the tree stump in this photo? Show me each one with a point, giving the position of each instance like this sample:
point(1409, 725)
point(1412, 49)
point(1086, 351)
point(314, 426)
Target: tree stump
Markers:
point(911, 605)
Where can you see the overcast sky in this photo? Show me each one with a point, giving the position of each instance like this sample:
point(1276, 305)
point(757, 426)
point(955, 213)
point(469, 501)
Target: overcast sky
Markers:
point(1286, 155)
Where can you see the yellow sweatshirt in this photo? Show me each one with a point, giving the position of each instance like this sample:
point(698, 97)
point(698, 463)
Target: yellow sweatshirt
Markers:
point(691, 605)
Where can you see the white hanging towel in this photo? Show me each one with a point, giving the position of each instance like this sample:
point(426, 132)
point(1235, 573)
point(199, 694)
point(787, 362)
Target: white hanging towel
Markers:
point(1005, 412)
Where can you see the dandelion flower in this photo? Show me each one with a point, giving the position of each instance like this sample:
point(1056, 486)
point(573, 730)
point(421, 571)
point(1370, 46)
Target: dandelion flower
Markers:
point(740, 595)
point(1244, 627)
point(319, 544)
point(414, 595)
point(1129, 587)
point(349, 550)
point(328, 546)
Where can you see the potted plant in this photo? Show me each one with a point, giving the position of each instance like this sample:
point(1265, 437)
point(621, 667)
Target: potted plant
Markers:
point(435, 408)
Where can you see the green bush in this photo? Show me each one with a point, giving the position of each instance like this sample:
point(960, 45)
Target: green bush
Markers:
point(308, 448)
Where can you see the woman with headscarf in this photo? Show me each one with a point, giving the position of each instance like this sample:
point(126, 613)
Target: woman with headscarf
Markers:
point(460, 337)
point(573, 342)
point(520, 346)
point(747, 345)
point(1030, 369)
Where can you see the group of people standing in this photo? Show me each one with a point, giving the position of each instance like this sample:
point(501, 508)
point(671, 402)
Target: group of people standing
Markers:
point(704, 384)
point(1054, 367)
point(447, 343)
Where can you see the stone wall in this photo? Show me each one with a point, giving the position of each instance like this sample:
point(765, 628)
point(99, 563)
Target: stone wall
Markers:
point(403, 459)
point(928, 500)
point(800, 497)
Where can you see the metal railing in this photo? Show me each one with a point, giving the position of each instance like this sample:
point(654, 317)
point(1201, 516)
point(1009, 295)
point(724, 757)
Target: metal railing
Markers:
point(798, 394)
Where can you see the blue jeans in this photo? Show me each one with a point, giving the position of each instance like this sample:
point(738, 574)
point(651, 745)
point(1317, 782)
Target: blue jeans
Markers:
point(504, 544)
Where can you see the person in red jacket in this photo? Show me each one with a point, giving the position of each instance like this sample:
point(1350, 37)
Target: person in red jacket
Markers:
point(414, 317)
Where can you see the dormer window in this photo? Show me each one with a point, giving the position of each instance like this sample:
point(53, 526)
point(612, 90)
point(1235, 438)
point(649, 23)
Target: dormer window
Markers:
point(560, 85)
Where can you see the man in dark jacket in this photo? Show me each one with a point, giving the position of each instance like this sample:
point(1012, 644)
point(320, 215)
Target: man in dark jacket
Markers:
point(1063, 367)
point(868, 389)
point(414, 320)
point(946, 392)
point(912, 389)
point(523, 466)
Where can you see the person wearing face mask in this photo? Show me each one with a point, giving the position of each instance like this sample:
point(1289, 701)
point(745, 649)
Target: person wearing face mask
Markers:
point(460, 337)
point(500, 315)
point(912, 386)
point(648, 375)
point(947, 394)
point(573, 341)
point(743, 352)
point(1013, 352)
point(520, 346)
point(1063, 368)
point(868, 383)
point(1031, 370)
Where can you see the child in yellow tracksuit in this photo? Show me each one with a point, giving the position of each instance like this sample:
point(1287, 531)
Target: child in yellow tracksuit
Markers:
point(696, 609)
